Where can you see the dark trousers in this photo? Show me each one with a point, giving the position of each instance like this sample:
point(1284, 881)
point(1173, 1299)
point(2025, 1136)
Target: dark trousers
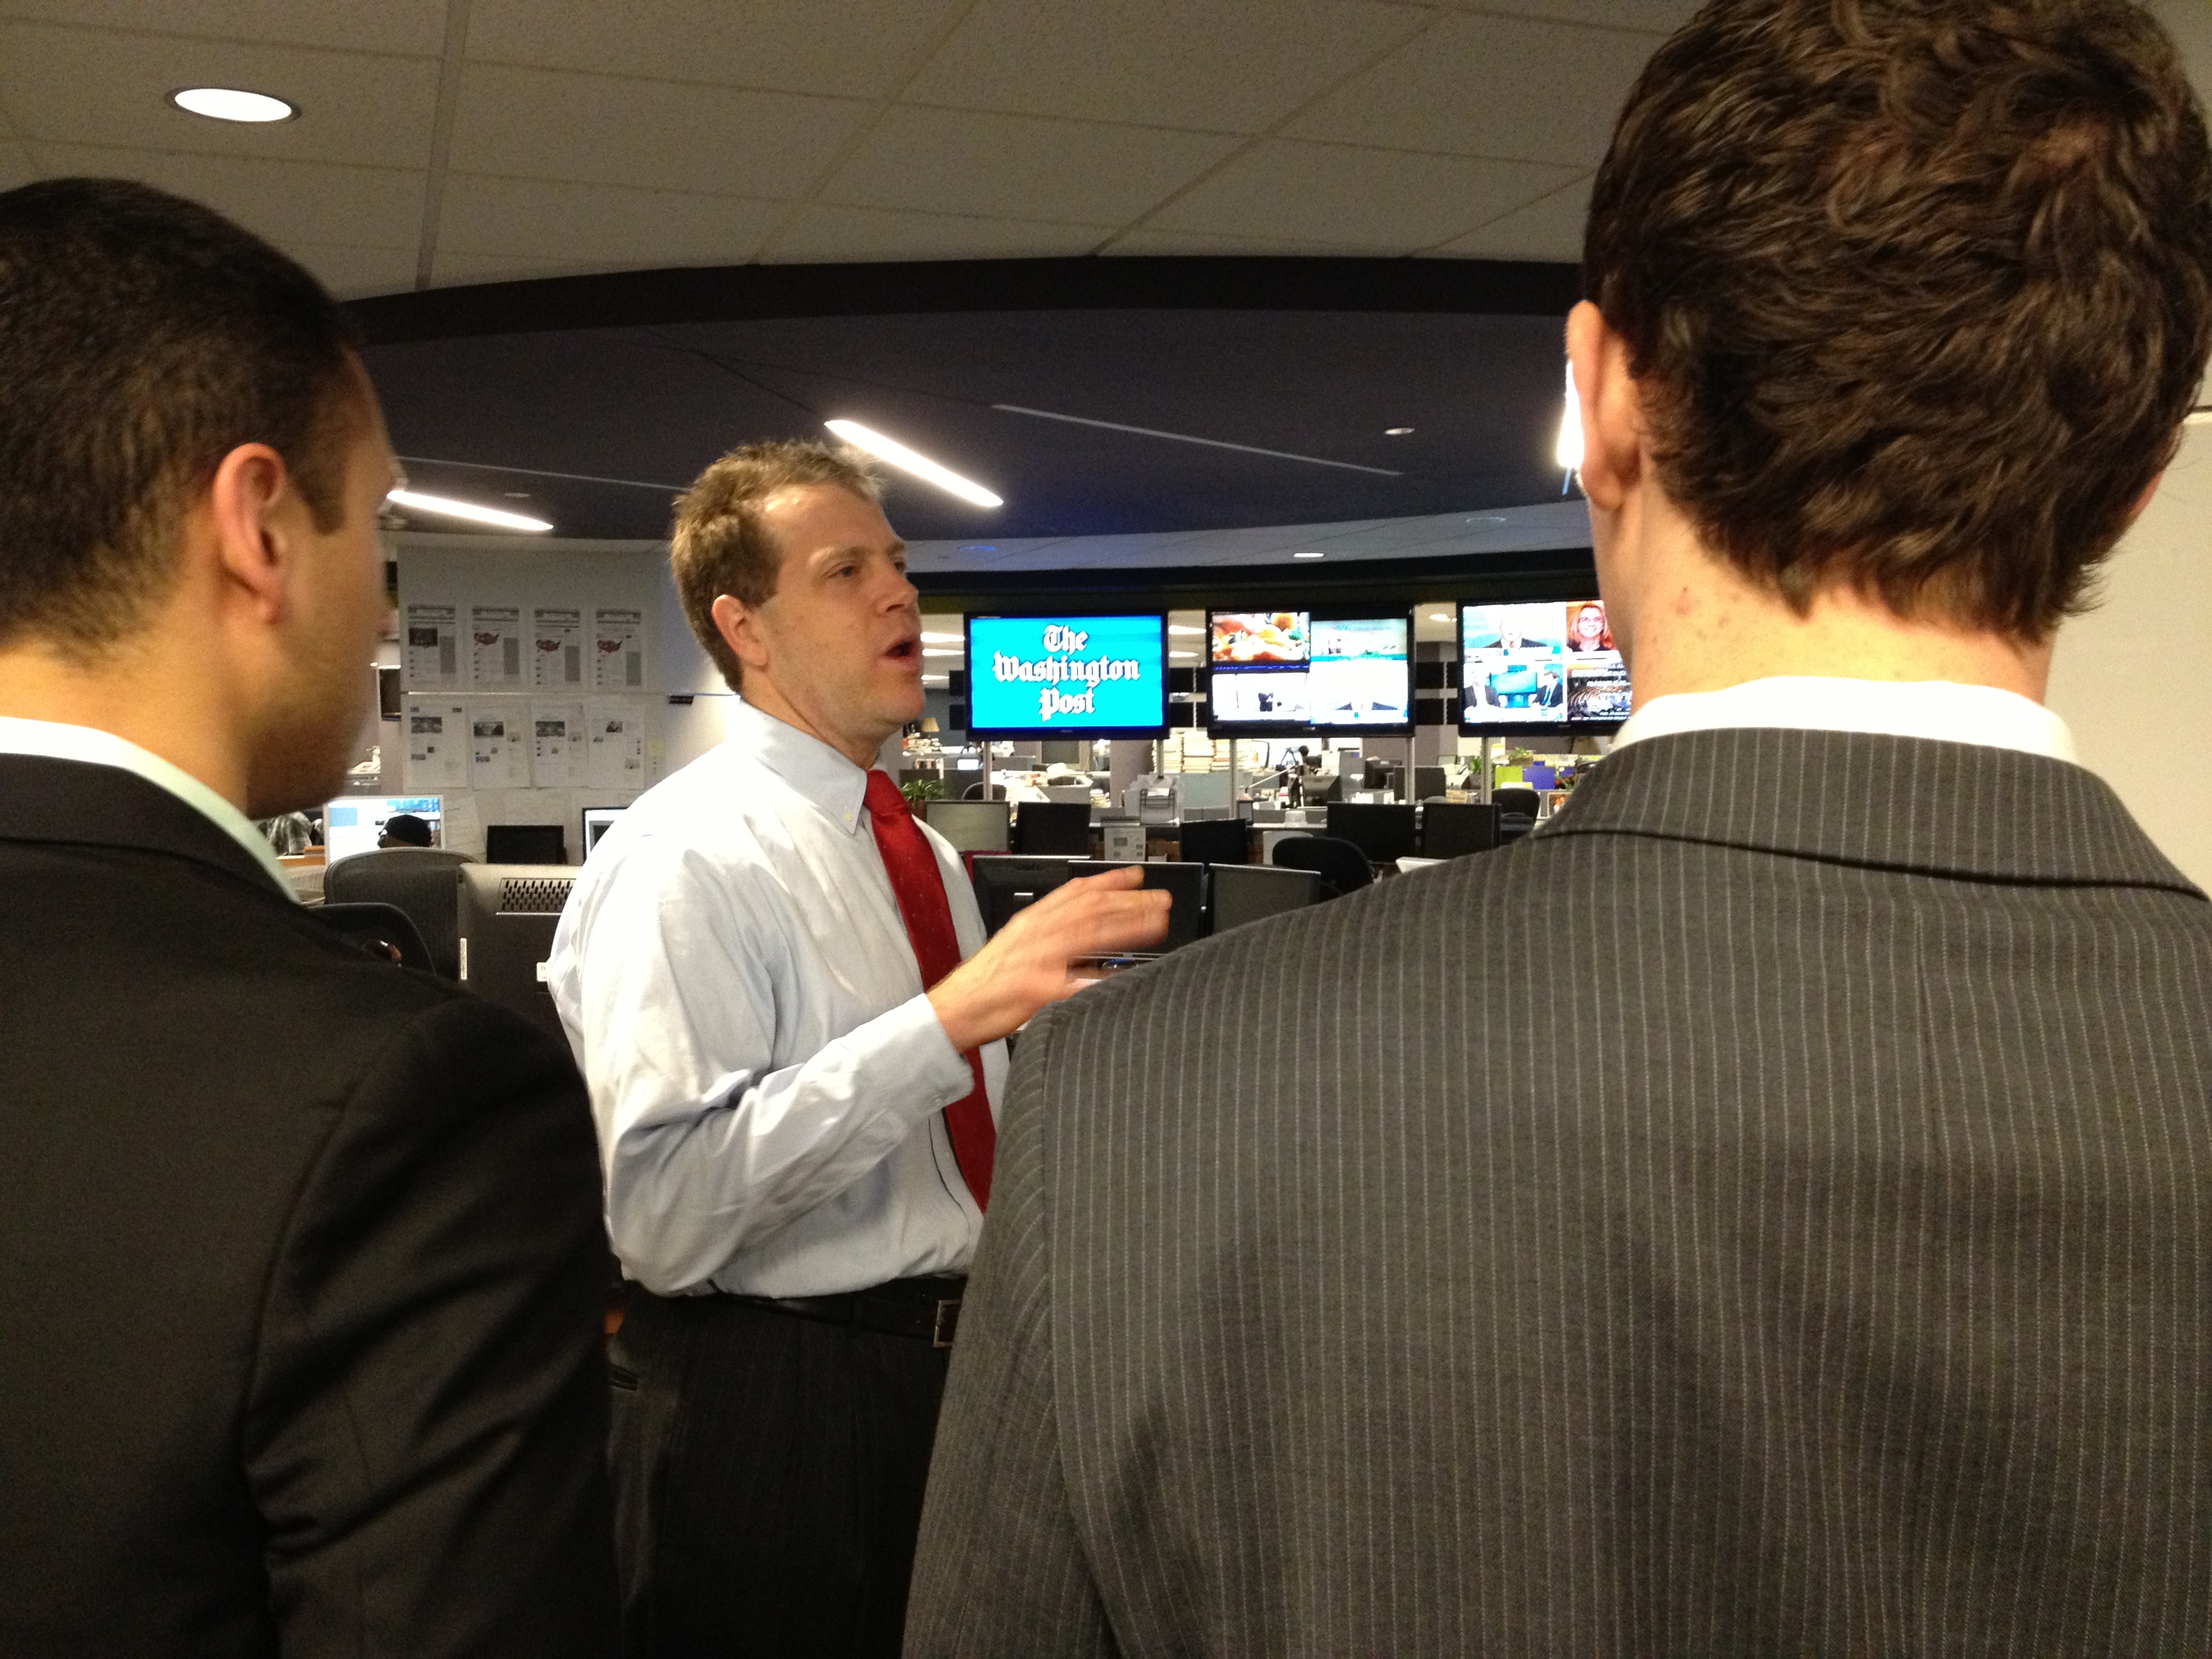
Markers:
point(769, 1473)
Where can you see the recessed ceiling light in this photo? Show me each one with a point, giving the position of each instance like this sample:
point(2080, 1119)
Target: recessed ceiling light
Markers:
point(446, 507)
point(908, 461)
point(1308, 556)
point(1397, 432)
point(233, 104)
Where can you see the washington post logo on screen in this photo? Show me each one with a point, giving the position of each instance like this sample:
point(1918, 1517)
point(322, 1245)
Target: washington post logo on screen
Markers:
point(1080, 673)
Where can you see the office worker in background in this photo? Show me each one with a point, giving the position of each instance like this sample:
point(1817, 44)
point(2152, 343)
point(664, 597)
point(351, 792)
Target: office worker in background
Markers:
point(405, 829)
point(760, 971)
point(1856, 1295)
point(301, 1260)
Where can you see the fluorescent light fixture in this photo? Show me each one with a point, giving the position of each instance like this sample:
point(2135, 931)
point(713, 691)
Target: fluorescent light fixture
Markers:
point(232, 103)
point(889, 449)
point(1308, 556)
point(1397, 432)
point(446, 506)
point(942, 638)
point(1183, 628)
point(1571, 427)
point(1440, 616)
point(1192, 655)
point(942, 654)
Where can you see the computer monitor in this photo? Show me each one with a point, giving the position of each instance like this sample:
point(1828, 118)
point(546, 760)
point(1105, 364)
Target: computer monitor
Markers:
point(1253, 892)
point(1428, 780)
point(1384, 833)
point(1044, 829)
point(1006, 886)
point(972, 826)
point(353, 823)
point(507, 912)
point(525, 843)
point(598, 820)
point(1213, 841)
point(1451, 830)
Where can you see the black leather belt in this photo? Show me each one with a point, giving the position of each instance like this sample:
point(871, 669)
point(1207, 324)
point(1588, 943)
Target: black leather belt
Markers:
point(927, 1309)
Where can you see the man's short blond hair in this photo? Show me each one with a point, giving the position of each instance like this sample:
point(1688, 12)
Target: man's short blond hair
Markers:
point(719, 544)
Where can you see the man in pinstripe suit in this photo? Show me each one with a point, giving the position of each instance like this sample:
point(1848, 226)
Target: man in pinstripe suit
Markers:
point(1815, 1256)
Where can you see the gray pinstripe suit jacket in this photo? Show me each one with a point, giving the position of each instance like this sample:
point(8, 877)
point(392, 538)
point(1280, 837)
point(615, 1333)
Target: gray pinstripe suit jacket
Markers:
point(1769, 1212)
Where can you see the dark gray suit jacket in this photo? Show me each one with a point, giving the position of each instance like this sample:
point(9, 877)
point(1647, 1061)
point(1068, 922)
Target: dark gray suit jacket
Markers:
point(1768, 1213)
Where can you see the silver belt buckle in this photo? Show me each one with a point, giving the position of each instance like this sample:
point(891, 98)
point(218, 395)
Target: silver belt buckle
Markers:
point(946, 1322)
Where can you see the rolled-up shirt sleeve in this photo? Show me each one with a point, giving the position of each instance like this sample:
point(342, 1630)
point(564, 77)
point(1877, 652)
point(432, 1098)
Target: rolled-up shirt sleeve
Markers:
point(677, 995)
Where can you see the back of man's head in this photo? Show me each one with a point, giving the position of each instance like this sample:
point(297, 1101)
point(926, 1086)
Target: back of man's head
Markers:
point(141, 339)
point(1918, 291)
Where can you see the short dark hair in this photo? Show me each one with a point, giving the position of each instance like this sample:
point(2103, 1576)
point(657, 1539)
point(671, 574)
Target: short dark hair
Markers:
point(1918, 293)
point(719, 545)
point(142, 337)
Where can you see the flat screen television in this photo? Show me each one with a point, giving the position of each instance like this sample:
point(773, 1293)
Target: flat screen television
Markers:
point(353, 823)
point(1066, 676)
point(1528, 669)
point(1277, 672)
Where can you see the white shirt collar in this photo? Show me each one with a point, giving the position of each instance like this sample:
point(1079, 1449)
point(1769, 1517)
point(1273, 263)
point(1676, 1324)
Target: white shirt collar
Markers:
point(1941, 710)
point(54, 740)
point(809, 765)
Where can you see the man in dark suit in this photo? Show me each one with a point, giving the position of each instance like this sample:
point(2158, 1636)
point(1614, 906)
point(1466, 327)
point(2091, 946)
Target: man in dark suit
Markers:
point(1810, 1249)
point(300, 1258)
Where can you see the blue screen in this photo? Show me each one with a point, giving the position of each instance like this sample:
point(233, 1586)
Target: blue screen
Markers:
point(1066, 673)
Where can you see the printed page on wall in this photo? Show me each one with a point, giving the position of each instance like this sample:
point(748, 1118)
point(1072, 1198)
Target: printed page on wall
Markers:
point(498, 755)
point(618, 649)
point(496, 648)
point(437, 745)
point(618, 746)
point(557, 654)
point(434, 646)
point(556, 756)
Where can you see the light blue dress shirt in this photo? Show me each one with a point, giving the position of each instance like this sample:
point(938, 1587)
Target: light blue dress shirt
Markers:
point(767, 1078)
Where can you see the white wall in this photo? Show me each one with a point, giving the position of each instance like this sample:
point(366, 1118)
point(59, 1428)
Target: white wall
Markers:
point(2130, 677)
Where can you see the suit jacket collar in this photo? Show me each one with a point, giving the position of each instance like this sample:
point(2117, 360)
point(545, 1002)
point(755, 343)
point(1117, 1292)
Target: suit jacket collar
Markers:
point(79, 804)
point(1908, 804)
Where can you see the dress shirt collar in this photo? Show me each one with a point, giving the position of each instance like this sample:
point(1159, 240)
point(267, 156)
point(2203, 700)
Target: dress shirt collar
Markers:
point(809, 765)
point(53, 740)
point(1941, 710)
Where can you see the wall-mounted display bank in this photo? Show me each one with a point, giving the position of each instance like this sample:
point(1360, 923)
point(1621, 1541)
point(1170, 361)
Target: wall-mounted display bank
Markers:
point(1526, 669)
point(1068, 676)
point(1274, 671)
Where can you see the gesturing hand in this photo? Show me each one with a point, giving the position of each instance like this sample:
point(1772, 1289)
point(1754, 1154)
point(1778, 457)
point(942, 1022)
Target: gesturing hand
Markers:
point(1026, 967)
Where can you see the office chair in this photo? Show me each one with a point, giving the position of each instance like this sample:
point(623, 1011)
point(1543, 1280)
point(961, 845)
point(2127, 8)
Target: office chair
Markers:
point(416, 880)
point(1516, 812)
point(1341, 866)
point(1213, 841)
point(380, 930)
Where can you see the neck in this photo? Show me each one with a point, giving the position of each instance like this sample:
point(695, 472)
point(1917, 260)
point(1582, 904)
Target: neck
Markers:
point(167, 708)
point(1692, 624)
point(763, 693)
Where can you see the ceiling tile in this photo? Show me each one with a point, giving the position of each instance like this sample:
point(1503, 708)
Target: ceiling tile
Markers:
point(456, 269)
point(354, 273)
point(1505, 87)
point(656, 135)
point(1373, 199)
point(408, 27)
point(1549, 229)
point(88, 87)
point(1652, 16)
point(1013, 167)
point(781, 46)
point(826, 232)
point(287, 202)
point(1221, 65)
point(530, 217)
point(1197, 242)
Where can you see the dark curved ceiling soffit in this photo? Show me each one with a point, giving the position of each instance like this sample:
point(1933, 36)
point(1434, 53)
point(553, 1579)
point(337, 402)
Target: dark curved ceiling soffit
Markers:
point(1056, 382)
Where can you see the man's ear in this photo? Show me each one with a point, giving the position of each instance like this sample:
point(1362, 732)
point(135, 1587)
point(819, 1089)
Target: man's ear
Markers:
point(253, 532)
point(738, 623)
point(1612, 408)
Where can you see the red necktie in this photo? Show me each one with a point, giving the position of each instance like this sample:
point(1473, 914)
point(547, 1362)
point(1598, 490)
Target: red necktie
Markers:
point(918, 884)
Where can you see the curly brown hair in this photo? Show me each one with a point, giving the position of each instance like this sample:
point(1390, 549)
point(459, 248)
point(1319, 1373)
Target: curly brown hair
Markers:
point(1918, 291)
point(719, 545)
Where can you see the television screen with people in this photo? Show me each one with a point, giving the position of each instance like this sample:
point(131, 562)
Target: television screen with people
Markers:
point(1276, 671)
point(1538, 667)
